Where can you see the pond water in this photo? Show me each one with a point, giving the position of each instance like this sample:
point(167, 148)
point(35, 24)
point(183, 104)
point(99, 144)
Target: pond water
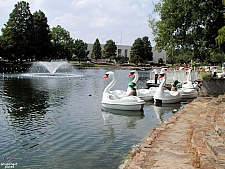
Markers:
point(50, 122)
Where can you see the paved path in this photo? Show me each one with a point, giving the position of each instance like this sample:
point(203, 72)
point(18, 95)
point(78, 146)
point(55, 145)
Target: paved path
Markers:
point(192, 138)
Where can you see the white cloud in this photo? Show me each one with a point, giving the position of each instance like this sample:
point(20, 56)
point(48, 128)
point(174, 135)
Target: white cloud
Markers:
point(91, 19)
point(99, 22)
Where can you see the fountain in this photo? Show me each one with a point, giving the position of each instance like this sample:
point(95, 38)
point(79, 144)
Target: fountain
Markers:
point(52, 67)
point(57, 69)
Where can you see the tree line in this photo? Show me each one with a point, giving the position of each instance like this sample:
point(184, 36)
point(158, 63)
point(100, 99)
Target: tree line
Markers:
point(190, 30)
point(27, 36)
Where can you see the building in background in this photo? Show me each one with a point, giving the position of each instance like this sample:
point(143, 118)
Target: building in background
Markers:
point(124, 50)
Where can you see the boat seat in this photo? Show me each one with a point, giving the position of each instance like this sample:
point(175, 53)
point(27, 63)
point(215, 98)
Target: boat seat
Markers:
point(113, 97)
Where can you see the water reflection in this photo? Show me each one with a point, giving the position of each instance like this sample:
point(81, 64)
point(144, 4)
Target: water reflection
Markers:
point(162, 110)
point(131, 116)
point(42, 130)
point(170, 109)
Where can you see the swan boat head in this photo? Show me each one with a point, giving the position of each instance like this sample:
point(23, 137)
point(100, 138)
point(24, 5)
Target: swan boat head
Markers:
point(144, 94)
point(135, 74)
point(189, 83)
point(162, 96)
point(110, 74)
point(112, 101)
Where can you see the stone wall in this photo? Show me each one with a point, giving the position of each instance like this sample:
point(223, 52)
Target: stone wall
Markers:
point(213, 85)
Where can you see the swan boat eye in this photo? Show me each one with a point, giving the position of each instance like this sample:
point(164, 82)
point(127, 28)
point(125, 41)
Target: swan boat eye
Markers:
point(131, 73)
point(106, 76)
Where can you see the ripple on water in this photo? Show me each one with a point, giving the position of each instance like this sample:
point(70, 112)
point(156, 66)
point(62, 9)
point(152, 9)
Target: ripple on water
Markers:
point(70, 131)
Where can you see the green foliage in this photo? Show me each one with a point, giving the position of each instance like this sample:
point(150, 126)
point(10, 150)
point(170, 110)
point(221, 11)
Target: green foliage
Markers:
point(220, 39)
point(28, 36)
point(97, 50)
point(17, 36)
point(141, 51)
point(42, 36)
point(148, 54)
point(62, 43)
point(187, 25)
point(137, 51)
point(204, 75)
point(121, 59)
point(195, 64)
point(80, 50)
point(109, 51)
point(217, 56)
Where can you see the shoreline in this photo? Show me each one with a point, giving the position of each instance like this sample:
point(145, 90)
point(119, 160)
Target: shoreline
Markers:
point(192, 138)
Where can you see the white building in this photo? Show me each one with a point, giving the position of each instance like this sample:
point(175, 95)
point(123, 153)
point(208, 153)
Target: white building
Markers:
point(123, 50)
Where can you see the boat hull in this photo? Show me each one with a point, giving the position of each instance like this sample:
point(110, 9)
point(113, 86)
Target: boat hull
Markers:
point(167, 101)
point(137, 107)
point(189, 96)
point(146, 98)
point(145, 94)
point(123, 106)
point(188, 93)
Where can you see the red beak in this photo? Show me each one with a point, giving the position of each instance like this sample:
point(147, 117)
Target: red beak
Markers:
point(160, 76)
point(105, 76)
point(130, 74)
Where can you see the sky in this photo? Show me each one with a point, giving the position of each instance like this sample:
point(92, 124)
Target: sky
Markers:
point(122, 21)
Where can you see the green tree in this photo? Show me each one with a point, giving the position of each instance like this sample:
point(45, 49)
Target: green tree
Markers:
point(1, 47)
point(148, 54)
point(62, 43)
point(97, 50)
point(18, 33)
point(188, 25)
point(137, 51)
point(220, 39)
point(42, 36)
point(217, 56)
point(122, 59)
point(80, 50)
point(109, 51)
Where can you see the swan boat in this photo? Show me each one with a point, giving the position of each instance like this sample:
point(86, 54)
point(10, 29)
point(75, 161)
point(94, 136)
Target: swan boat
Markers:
point(189, 84)
point(113, 101)
point(164, 96)
point(186, 93)
point(144, 94)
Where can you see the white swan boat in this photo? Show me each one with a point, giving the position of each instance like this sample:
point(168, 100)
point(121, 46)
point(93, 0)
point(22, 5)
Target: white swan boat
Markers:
point(144, 94)
point(189, 84)
point(113, 101)
point(164, 97)
point(186, 93)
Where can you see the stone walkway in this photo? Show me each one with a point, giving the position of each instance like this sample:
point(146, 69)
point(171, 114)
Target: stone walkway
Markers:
point(192, 138)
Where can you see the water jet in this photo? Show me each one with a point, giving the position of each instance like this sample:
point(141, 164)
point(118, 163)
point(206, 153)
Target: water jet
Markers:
point(53, 69)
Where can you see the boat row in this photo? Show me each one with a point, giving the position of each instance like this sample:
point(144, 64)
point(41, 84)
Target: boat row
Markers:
point(119, 99)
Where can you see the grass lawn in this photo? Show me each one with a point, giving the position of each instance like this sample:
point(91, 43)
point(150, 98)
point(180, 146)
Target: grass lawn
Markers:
point(99, 64)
